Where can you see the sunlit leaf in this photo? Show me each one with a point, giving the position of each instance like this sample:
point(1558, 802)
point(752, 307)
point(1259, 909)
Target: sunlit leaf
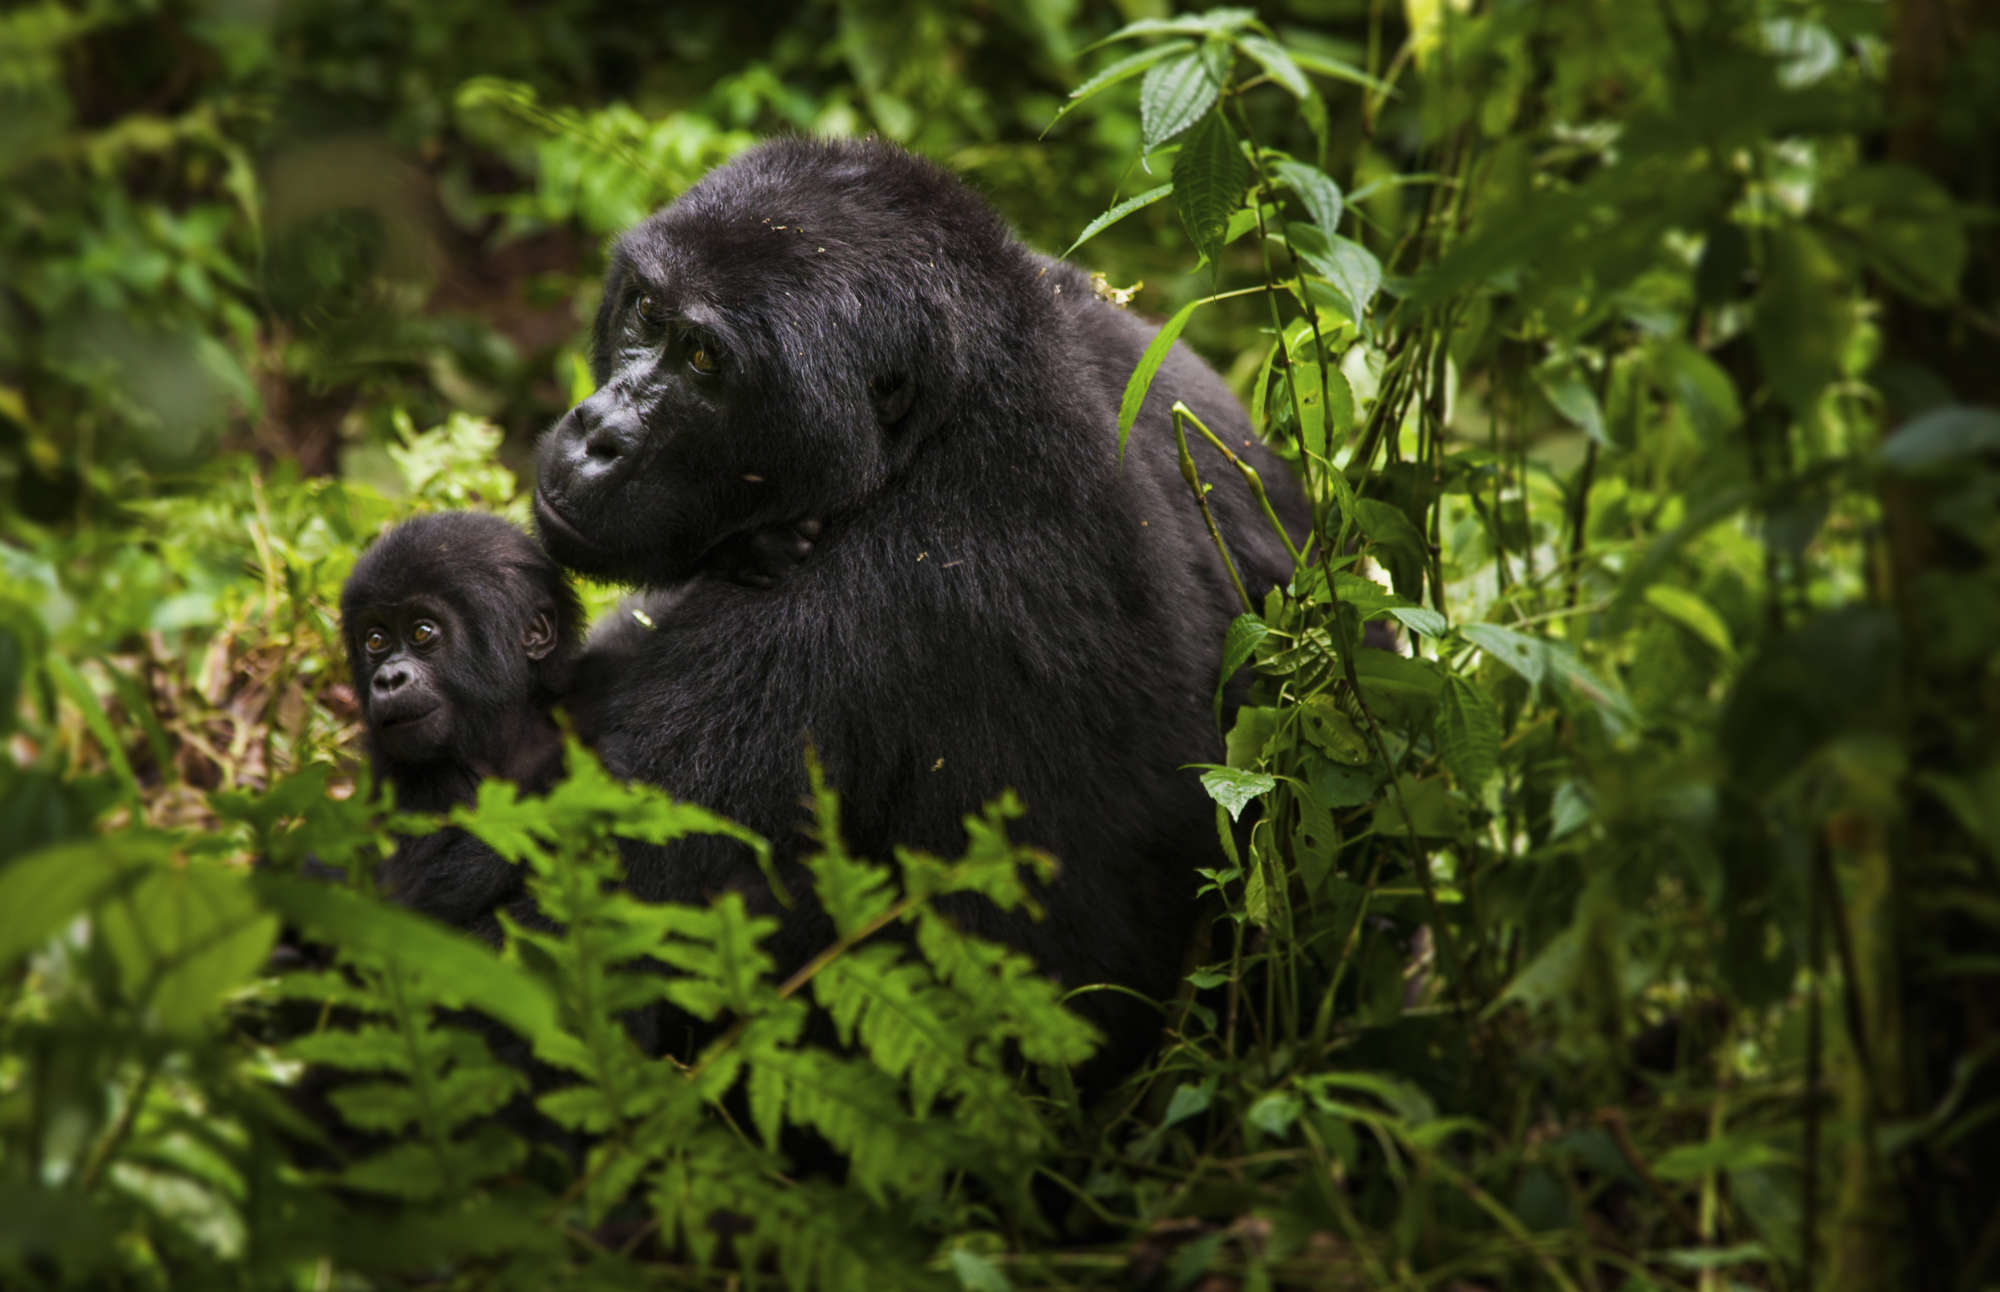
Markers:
point(1176, 94)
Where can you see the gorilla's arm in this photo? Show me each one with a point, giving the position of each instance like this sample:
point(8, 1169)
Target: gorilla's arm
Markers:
point(452, 876)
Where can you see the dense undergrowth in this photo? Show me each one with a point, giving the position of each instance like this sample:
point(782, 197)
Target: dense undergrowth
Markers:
point(1632, 924)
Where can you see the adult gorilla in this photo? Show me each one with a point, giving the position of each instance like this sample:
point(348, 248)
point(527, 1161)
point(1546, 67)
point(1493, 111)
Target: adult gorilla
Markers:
point(841, 332)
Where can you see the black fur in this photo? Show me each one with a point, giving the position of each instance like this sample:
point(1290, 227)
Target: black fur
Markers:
point(472, 700)
point(994, 600)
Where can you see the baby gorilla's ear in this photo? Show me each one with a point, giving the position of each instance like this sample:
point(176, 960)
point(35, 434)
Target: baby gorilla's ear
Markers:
point(539, 637)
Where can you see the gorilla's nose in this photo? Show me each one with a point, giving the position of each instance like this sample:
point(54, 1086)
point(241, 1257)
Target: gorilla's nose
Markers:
point(596, 439)
point(389, 679)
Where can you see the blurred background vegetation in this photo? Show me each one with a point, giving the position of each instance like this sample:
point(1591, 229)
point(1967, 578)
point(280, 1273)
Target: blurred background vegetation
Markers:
point(1640, 929)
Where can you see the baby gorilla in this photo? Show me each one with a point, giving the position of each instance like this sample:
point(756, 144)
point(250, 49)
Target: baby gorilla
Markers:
point(461, 633)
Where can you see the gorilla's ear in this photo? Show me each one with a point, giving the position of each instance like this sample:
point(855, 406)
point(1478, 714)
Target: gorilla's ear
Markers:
point(892, 396)
point(539, 637)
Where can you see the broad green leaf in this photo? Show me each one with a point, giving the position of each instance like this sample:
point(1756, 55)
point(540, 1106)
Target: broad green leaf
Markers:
point(1122, 70)
point(183, 936)
point(1426, 807)
point(1341, 71)
point(1249, 735)
point(1467, 732)
point(1692, 1161)
point(1149, 363)
point(1941, 437)
point(1569, 810)
point(977, 1273)
point(1348, 267)
point(1547, 980)
point(1238, 645)
point(1235, 788)
point(1336, 734)
point(1216, 22)
point(1421, 620)
point(1316, 192)
point(1399, 690)
point(1272, 57)
point(1176, 94)
point(1562, 381)
point(1210, 175)
point(1526, 655)
point(1580, 680)
point(1699, 385)
point(1806, 51)
point(45, 890)
point(1395, 542)
point(1240, 642)
point(1117, 213)
point(1275, 1112)
point(1693, 614)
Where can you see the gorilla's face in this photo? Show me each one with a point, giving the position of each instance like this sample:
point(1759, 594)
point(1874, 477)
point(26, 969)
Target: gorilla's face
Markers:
point(454, 623)
point(744, 381)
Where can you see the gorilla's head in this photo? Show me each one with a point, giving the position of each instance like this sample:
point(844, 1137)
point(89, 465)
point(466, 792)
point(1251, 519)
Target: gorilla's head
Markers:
point(777, 344)
point(458, 628)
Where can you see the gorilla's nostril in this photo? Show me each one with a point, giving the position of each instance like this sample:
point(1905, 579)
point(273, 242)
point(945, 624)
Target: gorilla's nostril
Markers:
point(601, 445)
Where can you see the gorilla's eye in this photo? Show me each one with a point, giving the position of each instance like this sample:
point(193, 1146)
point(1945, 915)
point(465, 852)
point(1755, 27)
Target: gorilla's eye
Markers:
point(423, 633)
point(376, 641)
point(651, 312)
point(705, 357)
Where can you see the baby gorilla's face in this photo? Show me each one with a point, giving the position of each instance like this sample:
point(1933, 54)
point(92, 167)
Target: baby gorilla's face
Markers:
point(416, 658)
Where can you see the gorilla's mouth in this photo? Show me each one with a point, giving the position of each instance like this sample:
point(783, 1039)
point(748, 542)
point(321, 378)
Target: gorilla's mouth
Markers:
point(393, 722)
point(555, 522)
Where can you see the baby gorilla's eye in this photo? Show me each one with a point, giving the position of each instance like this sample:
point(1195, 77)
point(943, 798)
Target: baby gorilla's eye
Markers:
point(423, 633)
point(651, 312)
point(704, 357)
point(376, 641)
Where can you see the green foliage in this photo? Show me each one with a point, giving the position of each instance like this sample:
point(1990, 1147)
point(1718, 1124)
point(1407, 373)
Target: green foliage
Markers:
point(1605, 854)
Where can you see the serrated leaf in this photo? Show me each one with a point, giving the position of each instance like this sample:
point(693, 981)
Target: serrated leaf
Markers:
point(1149, 363)
point(1240, 642)
point(1338, 736)
point(1316, 192)
point(1117, 213)
point(1235, 788)
point(1238, 645)
point(1176, 94)
point(1122, 70)
point(1210, 175)
point(1467, 732)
